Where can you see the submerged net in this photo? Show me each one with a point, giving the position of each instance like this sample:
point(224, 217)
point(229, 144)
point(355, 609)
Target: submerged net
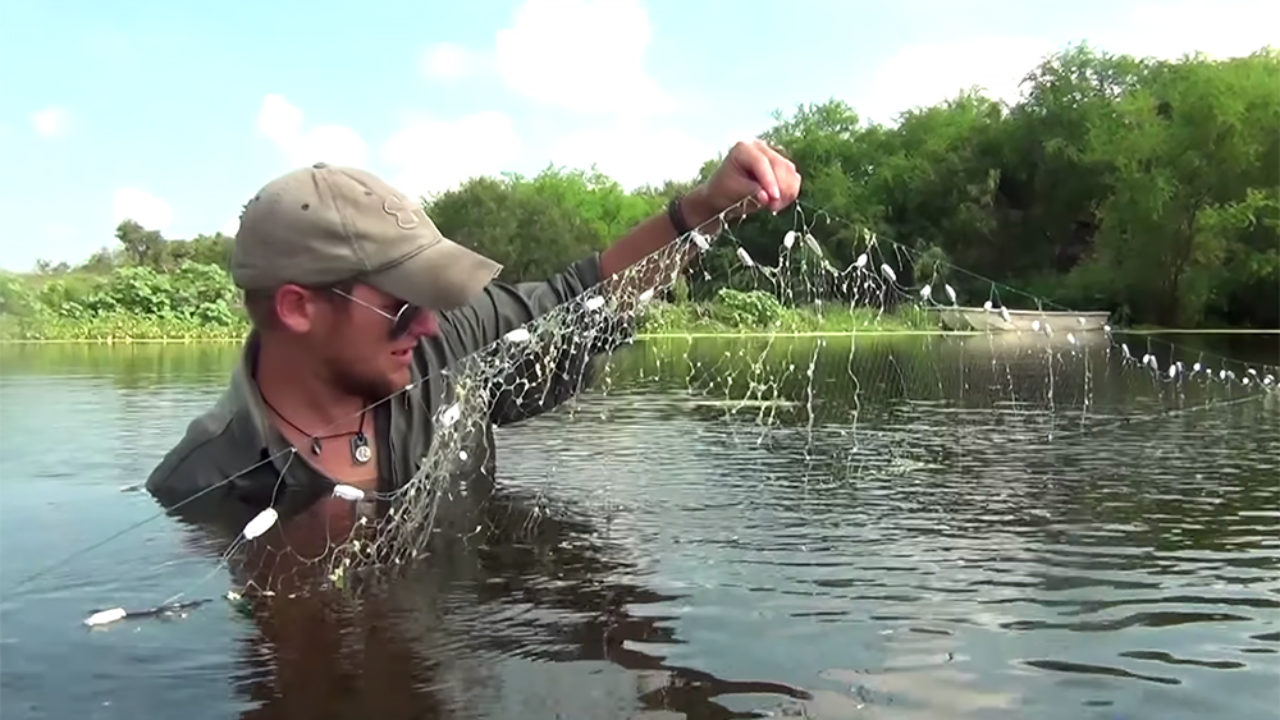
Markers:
point(1013, 379)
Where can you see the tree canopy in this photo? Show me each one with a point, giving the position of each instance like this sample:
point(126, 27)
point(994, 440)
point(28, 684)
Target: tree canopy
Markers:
point(1147, 187)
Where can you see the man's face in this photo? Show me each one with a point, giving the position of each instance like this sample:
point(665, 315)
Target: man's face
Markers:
point(352, 337)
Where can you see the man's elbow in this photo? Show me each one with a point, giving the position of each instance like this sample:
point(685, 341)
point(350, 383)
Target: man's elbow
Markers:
point(164, 489)
point(173, 483)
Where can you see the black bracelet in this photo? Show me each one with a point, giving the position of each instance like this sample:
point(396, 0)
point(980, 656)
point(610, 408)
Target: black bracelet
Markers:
point(676, 215)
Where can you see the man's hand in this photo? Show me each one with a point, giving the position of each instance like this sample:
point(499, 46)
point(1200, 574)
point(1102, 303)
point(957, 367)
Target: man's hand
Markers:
point(752, 169)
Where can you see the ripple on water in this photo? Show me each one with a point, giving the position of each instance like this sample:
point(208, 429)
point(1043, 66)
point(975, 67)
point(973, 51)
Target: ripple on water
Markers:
point(923, 561)
point(1124, 577)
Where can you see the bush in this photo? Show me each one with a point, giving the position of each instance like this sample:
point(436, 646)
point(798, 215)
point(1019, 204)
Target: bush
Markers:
point(755, 309)
point(128, 302)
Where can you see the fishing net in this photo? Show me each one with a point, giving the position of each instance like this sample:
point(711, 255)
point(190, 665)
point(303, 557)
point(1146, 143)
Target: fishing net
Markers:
point(1015, 374)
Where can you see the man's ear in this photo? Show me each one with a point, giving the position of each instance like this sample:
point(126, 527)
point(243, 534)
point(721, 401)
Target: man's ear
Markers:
point(295, 308)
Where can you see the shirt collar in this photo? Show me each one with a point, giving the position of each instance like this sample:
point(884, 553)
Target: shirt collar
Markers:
point(251, 416)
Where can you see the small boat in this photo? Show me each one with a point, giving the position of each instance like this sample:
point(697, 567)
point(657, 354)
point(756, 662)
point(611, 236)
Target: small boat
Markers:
point(1006, 320)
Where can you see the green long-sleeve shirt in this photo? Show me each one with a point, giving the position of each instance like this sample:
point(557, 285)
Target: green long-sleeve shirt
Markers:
point(232, 455)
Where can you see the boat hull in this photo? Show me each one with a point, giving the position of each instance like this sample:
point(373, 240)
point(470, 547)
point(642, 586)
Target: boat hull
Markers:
point(982, 320)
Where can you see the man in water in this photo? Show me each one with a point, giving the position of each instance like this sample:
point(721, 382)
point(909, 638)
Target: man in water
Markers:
point(354, 294)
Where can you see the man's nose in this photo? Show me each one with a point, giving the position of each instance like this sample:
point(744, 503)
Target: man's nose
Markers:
point(425, 323)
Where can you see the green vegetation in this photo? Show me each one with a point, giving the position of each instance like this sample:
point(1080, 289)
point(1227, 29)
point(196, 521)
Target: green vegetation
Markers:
point(1148, 188)
point(129, 301)
point(733, 312)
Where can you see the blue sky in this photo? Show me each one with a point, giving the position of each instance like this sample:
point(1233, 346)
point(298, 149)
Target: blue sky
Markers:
point(174, 114)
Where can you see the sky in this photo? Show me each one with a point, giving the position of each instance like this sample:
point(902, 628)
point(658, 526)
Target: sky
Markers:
point(174, 114)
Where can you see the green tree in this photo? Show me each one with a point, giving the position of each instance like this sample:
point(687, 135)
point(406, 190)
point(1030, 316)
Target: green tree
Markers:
point(537, 226)
point(1192, 186)
point(142, 247)
point(1147, 187)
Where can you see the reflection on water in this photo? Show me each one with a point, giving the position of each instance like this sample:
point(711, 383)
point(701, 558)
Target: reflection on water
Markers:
point(913, 527)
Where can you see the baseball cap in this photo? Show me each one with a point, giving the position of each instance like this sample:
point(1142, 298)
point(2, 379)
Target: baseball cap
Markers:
point(323, 224)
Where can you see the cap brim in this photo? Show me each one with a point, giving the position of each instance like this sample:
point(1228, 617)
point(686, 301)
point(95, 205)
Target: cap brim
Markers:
point(442, 277)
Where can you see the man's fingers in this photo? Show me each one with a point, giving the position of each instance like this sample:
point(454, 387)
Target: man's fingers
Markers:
point(776, 155)
point(788, 181)
point(777, 182)
point(760, 166)
point(785, 176)
point(782, 165)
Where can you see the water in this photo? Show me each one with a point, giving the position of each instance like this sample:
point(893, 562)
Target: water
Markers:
point(920, 553)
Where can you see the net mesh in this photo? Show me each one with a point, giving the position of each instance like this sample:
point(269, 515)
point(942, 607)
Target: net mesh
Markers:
point(1011, 381)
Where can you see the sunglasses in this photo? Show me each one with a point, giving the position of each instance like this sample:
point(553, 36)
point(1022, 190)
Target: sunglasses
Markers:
point(400, 321)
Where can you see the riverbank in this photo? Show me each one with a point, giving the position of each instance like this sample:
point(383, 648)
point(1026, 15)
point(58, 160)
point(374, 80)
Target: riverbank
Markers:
point(732, 313)
point(664, 320)
point(116, 327)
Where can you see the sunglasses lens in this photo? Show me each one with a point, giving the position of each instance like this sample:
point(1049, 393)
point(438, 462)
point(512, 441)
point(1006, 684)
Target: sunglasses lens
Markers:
point(403, 320)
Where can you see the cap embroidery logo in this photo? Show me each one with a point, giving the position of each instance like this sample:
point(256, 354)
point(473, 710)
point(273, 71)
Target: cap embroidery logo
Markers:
point(406, 214)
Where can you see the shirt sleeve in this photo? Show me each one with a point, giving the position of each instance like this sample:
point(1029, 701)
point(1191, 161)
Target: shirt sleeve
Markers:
point(546, 376)
point(503, 307)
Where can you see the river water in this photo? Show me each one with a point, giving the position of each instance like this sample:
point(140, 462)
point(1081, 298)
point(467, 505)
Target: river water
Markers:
point(905, 528)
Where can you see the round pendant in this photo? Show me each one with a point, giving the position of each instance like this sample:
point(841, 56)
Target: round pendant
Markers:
point(360, 449)
point(363, 453)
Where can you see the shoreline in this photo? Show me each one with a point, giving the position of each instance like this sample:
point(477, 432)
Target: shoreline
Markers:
point(668, 334)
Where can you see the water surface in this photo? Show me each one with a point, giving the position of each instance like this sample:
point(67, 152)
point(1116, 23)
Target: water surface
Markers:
point(901, 528)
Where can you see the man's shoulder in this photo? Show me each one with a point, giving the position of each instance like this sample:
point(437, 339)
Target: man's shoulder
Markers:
point(199, 459)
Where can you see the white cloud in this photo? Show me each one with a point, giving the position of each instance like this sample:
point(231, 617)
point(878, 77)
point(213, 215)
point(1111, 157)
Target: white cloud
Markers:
point(924, 74)
point(635, 154)
point(581, 55)
point(334, 144)
point(142, 207)
point(60, 231)
point(50, 122)
point(447, 61)
point(230, 227)
point(430, 156)
point(281, 122)
point(1172, 29)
